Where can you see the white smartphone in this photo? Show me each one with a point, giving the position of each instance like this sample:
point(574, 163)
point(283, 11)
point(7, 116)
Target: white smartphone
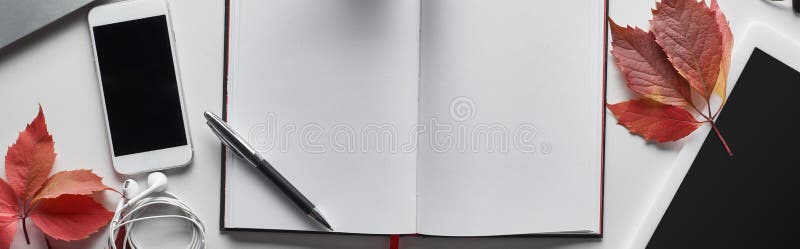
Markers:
point(140, 85)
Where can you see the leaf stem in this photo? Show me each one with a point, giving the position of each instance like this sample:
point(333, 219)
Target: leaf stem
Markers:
point(721, 139)
point(710, 120)
point(25, 230)
point(698, 111)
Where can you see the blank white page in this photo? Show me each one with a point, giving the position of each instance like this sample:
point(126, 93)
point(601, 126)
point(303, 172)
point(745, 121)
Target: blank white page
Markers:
point(316, 68)
point(527, 74)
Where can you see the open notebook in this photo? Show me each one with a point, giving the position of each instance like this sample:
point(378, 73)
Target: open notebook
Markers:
point(437, 117)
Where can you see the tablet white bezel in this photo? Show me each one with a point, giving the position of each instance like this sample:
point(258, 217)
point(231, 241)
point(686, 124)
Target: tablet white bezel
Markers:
point(756, 35)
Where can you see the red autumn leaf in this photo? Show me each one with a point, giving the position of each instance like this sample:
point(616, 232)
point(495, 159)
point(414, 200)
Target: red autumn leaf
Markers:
point(8, 227)
point(9, 208)
point(70, 217)
point(76, 182)
point(9, 202)
point(60, 205)
point(646, 67)
point(655, 121)
point(727, 46)
point(697, 42)
point(688, 32)
point(30, 159)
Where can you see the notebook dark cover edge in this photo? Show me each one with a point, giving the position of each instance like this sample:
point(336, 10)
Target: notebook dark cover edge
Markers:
point(223, 151)
point(223, 159)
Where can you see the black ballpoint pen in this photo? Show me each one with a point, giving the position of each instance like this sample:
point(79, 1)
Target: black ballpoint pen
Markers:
point(243, 150)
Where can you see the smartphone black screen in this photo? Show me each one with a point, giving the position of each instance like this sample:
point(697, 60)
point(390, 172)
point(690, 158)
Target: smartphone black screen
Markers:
point(140, 87)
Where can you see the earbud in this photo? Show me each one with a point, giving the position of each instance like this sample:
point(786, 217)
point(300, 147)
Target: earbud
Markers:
point(156, 183)
point(130, 189)
point(134, 207)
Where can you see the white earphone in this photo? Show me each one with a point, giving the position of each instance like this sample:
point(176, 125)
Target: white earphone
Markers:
point(133, 205)
point(156, 183)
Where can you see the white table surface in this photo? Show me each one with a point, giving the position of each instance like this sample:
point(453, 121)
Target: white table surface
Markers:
point(54, 67)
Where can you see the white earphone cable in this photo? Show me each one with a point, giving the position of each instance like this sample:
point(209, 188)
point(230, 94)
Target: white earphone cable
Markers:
point(129, 213)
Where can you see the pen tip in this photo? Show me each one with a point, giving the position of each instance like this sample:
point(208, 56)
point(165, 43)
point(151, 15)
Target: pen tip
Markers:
point(326, 225)
point(317, 216)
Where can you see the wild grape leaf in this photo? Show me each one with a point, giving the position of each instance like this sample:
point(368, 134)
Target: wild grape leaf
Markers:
point(30, 159)
point(60, 205)
point(727, 46)
point(688, 32)
point(70, 217)
point(655, 121)
point(9, 202)
point(76, 182)
point(9, 208)
point(646, 68)
point(8, 227)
